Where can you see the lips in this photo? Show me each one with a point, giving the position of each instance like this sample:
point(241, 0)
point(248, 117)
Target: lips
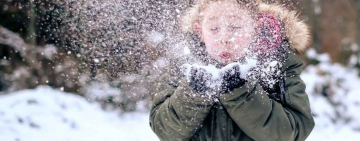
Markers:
point(225, 55)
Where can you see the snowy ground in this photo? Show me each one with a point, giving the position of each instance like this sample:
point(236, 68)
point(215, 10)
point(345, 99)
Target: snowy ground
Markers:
point(45, 114)
point(334, 123)
point(337, 116)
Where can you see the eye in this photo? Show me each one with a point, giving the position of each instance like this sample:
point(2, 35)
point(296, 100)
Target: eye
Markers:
point(214, 29)
point(235, 27)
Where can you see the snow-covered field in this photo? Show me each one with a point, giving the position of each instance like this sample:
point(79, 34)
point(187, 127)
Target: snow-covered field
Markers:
point(45, 114)
point(340, 122)
point(337, 116)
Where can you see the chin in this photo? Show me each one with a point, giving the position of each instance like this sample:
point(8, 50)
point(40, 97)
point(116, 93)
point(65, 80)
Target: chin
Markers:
point(226, 61)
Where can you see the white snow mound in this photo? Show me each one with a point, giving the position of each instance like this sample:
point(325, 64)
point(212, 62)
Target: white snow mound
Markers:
point(45, 114)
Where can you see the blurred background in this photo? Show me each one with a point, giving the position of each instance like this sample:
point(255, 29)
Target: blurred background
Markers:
point(82, 70)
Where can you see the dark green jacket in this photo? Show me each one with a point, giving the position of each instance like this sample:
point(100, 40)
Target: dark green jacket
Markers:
point(245, 114)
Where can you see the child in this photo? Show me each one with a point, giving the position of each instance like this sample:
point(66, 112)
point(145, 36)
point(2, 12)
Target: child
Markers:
point(244, 108)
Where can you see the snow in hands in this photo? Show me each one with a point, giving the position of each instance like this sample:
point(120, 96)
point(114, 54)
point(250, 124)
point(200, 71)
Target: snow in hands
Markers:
point(214, 77)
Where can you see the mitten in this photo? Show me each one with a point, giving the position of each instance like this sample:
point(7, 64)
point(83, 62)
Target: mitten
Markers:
point(199, 80)
point(232, 79)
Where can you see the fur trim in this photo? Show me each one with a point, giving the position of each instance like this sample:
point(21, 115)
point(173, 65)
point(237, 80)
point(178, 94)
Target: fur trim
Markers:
point(296, 30)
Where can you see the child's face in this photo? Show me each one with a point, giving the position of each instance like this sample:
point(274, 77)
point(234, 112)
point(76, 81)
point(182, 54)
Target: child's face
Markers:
point(227, 29)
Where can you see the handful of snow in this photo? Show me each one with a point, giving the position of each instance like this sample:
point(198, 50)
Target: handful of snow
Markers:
point(217, 74)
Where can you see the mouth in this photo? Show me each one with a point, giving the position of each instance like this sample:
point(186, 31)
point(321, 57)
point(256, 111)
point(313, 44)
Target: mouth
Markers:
point(225, 55)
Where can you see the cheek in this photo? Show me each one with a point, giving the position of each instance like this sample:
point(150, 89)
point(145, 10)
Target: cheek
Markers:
point(211, 43)
point(211, 48)
point(243, 41)
point(245, 36)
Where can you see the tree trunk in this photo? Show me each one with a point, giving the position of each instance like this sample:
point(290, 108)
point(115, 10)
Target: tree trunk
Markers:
point(31, 37)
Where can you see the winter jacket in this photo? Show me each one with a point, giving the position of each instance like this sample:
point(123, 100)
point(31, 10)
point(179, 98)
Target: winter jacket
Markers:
point(246, 113)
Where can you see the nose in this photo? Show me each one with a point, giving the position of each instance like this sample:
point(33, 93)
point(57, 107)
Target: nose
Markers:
point(225, 38)
point(225, 41)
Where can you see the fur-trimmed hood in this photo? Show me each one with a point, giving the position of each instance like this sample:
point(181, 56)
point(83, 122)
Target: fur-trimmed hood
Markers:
point(296, 30)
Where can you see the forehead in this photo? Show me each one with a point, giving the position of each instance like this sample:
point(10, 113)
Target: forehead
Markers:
point(226, 9)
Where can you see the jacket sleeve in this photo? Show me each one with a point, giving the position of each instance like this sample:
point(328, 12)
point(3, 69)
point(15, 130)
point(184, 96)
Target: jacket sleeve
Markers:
point(264, 119)
point(177, 112)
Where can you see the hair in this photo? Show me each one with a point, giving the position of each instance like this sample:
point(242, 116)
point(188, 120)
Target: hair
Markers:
point(193, 14)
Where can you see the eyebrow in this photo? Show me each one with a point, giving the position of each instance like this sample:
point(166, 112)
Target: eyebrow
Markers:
point(235, 16)
point(213, 18)
point(230, 16)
